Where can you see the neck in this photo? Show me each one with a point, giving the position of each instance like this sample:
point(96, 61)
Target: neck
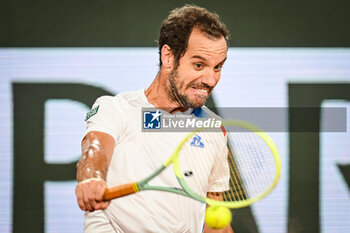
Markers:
point(157, 94)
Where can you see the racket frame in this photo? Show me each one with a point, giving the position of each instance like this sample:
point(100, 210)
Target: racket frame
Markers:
point(141, 185)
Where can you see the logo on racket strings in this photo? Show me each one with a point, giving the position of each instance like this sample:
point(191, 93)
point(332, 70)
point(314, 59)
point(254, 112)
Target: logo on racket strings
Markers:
point(188, 173)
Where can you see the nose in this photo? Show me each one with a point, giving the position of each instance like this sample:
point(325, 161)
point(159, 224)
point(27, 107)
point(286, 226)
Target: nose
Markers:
point(210, 78)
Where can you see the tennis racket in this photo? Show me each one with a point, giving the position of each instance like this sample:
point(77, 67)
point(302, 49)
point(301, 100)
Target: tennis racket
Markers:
point(245, 168)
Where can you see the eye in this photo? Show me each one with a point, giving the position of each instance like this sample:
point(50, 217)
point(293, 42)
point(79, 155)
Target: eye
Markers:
point(198, 66)
point(218, 67)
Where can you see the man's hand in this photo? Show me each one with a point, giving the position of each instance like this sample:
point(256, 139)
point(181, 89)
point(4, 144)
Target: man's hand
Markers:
point(90, 194)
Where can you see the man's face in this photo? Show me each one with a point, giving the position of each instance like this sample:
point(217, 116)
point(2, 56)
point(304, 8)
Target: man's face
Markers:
point(199, 70)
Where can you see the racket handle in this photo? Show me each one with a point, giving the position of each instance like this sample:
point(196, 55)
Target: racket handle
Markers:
point(119, 191)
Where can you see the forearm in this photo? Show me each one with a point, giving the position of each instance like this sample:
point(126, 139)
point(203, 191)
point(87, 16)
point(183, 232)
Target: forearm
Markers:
point(97, 150)
point(95, 158)
point(93, 164)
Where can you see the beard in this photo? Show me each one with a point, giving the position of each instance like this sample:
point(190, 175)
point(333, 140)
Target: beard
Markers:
point(183, 99)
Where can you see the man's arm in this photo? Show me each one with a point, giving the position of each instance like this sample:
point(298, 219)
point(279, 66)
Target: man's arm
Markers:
point(97, 150)
point(228, 229)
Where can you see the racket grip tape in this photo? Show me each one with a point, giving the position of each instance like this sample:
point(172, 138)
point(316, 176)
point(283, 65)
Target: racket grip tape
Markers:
point(119, 191)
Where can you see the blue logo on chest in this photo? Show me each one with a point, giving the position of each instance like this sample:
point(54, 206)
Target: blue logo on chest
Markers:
point(196, 141)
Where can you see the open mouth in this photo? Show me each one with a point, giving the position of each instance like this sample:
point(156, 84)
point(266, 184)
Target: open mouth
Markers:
point(202, 92)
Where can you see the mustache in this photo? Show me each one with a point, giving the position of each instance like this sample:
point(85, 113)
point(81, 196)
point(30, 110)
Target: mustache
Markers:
point(200, 86)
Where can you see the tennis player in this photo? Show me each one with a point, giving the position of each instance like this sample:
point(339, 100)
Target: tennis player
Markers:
point(193, 48)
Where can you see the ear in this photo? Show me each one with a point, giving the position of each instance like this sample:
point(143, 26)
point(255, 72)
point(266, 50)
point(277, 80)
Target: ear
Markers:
point(167, 57)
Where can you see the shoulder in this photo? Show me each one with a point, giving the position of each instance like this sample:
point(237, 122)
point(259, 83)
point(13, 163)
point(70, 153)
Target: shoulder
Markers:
point(124, 98)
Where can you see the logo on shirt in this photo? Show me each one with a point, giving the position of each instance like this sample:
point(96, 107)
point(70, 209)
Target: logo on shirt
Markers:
point(92, 112)
point(151, 119)
point(196, 141)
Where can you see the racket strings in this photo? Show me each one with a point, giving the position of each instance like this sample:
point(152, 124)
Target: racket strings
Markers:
point(208, 163)
point(251, 163)
point(237, 191)
point(194, 167)
point(248, 167)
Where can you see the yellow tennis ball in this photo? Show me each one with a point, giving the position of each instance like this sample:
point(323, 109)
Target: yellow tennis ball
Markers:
point(218, 217)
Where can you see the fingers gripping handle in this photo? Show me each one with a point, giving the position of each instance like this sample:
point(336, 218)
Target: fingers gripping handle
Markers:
point(119, 191)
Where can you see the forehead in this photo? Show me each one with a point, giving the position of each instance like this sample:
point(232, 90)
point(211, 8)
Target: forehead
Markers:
point(202, 45)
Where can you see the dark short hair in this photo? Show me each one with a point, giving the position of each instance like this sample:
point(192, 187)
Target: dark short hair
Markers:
point(177, 27)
